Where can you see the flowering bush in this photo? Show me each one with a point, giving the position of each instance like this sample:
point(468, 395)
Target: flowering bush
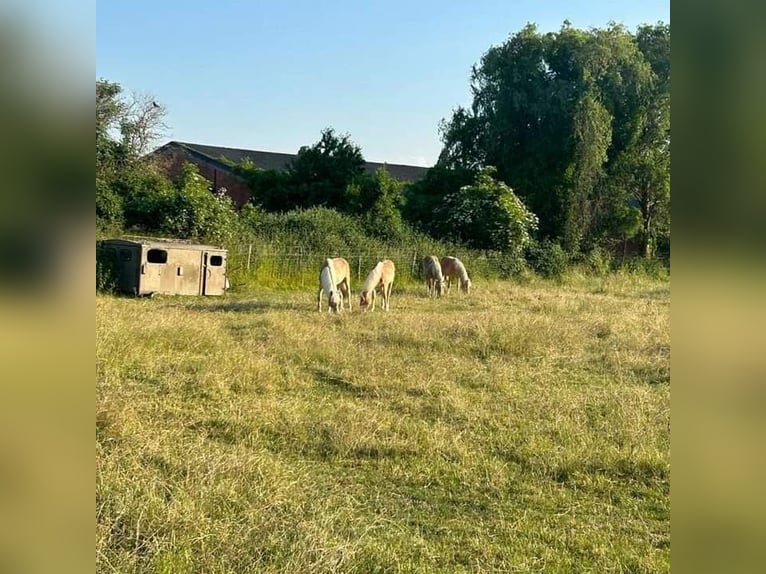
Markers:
point(488, 215)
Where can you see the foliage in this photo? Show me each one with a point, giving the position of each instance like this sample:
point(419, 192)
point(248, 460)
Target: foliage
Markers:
point(316, 228)
point(196, 213)
point(424, 199)
point(126, 127)
point(547, 258)
point(186, 209)
point(488, 215)
point(271, 190)
point(599, 261)
point(109, 203)
point(383, 218)
point(107, 270)
point(321, 173)
point(579, 123)
point(147, 197)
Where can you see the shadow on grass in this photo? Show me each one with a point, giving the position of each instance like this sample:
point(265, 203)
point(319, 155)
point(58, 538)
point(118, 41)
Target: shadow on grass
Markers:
point(342, 384)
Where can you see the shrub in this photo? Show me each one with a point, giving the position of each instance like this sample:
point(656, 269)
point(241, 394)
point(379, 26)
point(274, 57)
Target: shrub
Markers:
point(489, 215)
point(547, 258)
point(196, 213)
point(598, 261)
point(315, 229)
point(653, 267)
point(109, 209)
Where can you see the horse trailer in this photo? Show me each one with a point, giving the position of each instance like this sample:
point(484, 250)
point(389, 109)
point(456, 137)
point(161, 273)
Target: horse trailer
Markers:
point(149, 266)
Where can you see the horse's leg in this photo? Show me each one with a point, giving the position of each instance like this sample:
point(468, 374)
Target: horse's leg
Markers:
point(347, 289)
point(319, 300)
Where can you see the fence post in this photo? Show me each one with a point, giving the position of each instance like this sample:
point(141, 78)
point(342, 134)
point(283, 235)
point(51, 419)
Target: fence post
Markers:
point(249, 254)
point(359, 268)
point(300, 264)
point(414, 263)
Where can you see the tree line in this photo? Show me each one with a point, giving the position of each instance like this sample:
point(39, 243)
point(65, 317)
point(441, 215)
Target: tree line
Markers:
point(565, 145)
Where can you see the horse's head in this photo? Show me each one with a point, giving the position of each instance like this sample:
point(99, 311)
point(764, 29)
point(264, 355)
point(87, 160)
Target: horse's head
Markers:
point(439, 287)
point(364, 300)
point(335, 301)
point(466, 286)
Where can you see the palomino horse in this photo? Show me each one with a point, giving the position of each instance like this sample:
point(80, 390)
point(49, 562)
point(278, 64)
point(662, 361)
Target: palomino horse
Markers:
point(453, 267)
point(342, 273)
point(381, 277)
point(329, 285)
point(432, 271)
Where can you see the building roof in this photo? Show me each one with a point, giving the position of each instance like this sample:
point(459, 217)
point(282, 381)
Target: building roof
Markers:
point(279, 161)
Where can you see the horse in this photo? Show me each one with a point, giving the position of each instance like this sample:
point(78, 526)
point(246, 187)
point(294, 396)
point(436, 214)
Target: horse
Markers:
point(328, 284)
point(453, 267)
point(342, 273)
point(432, 270)
point(381, 277)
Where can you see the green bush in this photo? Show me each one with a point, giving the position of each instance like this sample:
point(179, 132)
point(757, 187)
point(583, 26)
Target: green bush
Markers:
point(598, 261)
point(109, 204)
point(653, 267)
point(195, 213)
point(547, 258)
point(314, 229)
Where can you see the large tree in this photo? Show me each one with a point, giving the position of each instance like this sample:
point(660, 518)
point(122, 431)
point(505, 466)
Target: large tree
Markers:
point(321, 173)
point(577, 122)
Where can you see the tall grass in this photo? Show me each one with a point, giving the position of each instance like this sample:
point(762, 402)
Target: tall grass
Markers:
point(523, 428)
point(287, 249)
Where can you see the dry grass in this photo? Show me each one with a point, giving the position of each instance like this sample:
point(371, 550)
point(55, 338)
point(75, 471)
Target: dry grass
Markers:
point(525, 428)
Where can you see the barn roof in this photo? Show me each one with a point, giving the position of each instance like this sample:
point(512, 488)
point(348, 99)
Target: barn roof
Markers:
point(279, 161)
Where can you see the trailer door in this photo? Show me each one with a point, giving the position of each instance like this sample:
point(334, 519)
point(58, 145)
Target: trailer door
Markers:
point(214, 275)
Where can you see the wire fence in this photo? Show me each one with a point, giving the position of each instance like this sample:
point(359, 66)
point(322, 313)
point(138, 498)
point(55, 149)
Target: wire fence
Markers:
point(295, 266)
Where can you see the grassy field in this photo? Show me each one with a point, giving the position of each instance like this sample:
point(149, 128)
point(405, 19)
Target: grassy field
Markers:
point(525, 428)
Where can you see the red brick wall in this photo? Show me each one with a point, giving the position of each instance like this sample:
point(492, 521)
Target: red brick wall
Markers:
point(172, 159)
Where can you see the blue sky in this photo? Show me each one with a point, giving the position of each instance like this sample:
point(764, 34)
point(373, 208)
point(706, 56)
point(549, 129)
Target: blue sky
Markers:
point(272, 75)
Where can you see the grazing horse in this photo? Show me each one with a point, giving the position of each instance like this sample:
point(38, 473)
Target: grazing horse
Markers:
point(432, 270)
point(381, 277)
point(329, 285)
point(453, 267)
point(342, 274)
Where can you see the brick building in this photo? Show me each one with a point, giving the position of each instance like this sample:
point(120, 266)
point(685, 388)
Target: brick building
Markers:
point(208, 160)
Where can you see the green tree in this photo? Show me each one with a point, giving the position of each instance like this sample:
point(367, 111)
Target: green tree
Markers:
point(271, 190)
point(424, 199)
point(649, 170)
point(320, 174)
point(488, 215)
point(383, 219)
point(126, 127)
point(572, 119)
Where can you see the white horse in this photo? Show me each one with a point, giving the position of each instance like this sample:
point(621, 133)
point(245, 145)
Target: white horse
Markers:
point(432, 270)
point(329, 285)
point(452, 267)
point(381, 277)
